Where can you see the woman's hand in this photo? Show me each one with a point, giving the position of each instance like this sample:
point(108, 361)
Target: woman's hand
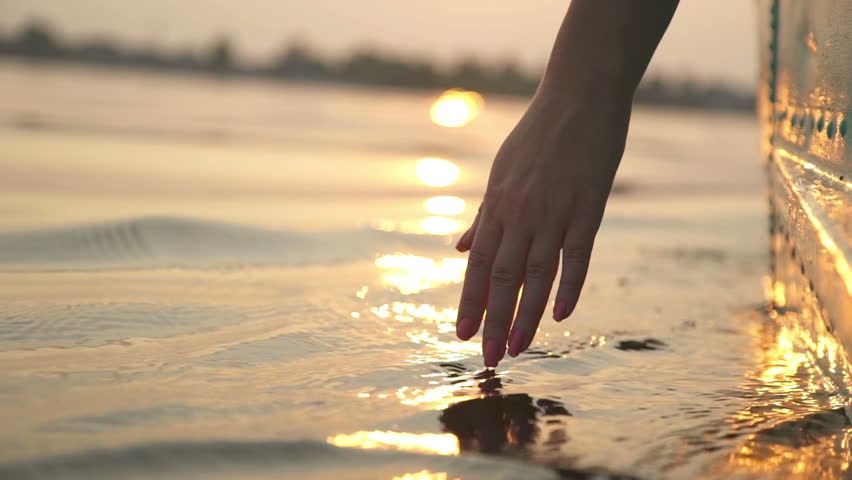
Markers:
point(546, 193)
point(552, 176)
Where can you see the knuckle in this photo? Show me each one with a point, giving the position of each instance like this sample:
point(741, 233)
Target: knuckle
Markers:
point(477, 260)
point(530, 310)
point(576, 256)
point(507, 206)
point(539, 271)
point(571, 283)
point(468, 308)
point(504, 277)
point(472, 298)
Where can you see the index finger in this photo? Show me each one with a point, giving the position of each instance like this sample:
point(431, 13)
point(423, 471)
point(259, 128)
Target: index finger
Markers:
point(476, 279)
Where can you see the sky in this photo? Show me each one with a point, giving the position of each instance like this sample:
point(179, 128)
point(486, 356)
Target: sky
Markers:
point(712, 39)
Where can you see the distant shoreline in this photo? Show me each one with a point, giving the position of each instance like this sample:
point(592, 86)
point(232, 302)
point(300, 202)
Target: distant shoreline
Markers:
point(36, 42)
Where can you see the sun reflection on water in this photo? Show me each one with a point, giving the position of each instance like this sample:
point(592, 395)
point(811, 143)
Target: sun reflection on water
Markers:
point(456, 108)
point(441, 389)
point(424, 475)
point(412, 274)
point(437, 172)
point(439, 397)
point(433, 172)
point(435, 443)
point(444, 205)
point(795, 426)
point(440, 225)
point(408, 312)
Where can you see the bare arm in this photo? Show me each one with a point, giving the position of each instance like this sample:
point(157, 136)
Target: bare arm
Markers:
point(552, 176)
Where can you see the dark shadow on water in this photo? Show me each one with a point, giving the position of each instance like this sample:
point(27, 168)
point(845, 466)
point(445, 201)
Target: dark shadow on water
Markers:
point(806, 431)
point(639, 345)
point(517, 426)
point(502, 424)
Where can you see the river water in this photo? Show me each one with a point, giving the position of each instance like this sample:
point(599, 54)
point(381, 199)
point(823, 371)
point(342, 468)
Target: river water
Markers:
point(220, 278)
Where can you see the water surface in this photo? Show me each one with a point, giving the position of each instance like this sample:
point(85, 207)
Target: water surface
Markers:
point(217, 278)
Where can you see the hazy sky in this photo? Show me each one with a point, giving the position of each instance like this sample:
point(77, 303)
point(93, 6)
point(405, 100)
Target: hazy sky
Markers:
point(715, 38)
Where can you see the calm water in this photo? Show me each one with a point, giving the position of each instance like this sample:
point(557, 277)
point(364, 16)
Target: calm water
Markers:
point(218, 279)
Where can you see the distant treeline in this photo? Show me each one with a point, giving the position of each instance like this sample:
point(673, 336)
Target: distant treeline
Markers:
point(297, 61)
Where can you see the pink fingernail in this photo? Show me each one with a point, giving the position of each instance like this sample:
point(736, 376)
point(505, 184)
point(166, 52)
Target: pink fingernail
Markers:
point(466, 328)
point(560, 311)
point(462, 240)
point(517, 342)
point(494, 351)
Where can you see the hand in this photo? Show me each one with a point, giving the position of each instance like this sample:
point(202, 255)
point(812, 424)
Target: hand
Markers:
point(547, 192)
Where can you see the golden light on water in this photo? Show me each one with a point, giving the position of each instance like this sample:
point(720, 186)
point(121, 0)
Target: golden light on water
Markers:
point(424, 475)
point(438, 397)
point(437, 172)
point(440, 225)
point(408, 312)
point(444, 205)
point(433, 225)
point(434, 172)
point(779, 297)
point(429, 348)
point(799, 362)
point(456, 108)
point(435, 443)
point(413, 274)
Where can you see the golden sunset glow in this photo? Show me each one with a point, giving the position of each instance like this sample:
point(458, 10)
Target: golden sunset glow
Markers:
point(795, 348)
point(433, 225)
point(408, 312)
point(798, 361)
point(809, 198)
point(437, 172)
point(423, 475)
point(412, 274)
point(440, 225)
point(444, 205)
point(441, 396)
point(456, 108)
point(435, 443)
point(425, 325)
point(779, 297)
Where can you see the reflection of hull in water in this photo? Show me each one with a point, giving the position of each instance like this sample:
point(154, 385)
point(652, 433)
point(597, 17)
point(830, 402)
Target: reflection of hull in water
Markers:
point(805, 111)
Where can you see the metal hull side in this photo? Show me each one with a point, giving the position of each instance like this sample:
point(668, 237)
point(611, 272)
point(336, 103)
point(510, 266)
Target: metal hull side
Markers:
point(804, 108)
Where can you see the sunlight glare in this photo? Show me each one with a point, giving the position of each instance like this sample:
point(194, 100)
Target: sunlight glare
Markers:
point(440, 225)
point(437, 172)
point(456, 108)
point(413, 274)
point(444, 205)
point(436, 443)
point(423, 475)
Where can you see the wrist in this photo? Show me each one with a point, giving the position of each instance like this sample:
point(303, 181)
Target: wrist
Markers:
point(607, 95)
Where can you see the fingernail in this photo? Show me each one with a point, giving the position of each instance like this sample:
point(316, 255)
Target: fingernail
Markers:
point(466, 328)
point(494, 351)
point(462, 240)
point(517, 342)
point(560, 311)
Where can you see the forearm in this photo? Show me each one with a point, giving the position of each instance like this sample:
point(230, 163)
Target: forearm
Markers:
point(604, 46)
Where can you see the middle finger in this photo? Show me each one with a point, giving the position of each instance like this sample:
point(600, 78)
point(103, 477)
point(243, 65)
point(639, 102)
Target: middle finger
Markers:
point(506, 276)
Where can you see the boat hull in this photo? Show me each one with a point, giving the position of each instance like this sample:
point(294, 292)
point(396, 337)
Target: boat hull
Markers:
point(804, 110)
